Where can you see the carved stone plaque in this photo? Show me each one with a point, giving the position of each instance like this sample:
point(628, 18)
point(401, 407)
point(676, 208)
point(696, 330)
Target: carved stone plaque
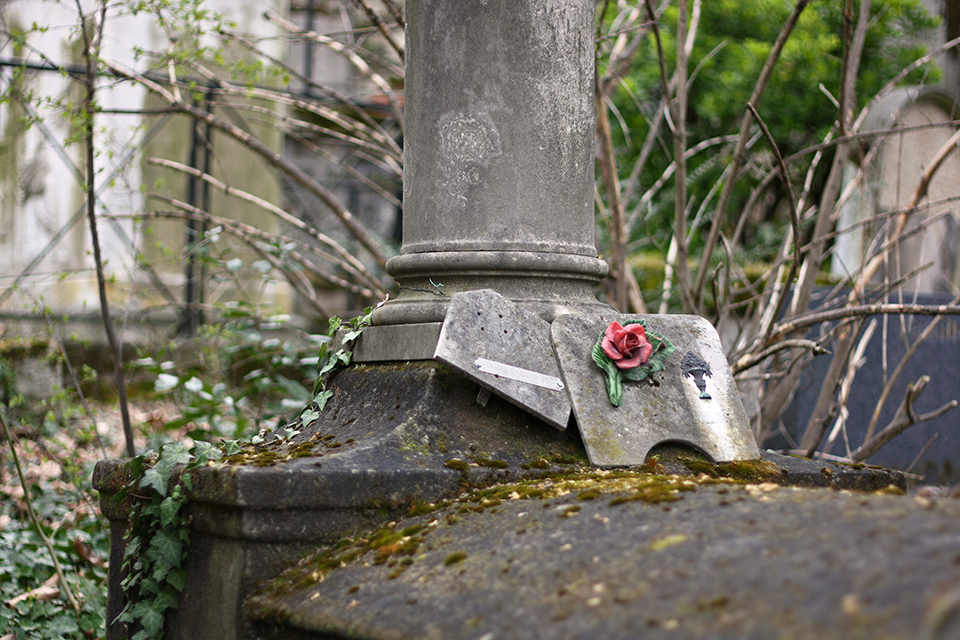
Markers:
point(506, 350)
point(692, 400)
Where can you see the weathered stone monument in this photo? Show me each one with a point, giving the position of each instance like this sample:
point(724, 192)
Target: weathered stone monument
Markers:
point(498, 197)
point(469, 378)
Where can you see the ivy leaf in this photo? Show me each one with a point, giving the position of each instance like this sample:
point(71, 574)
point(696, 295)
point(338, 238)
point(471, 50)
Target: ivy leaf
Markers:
point(169, 510)
point(168, 598)
point(231, 447)
point(149, 586)
point(333, 362)
point(150, 619)
point(168, 546)
point(133, 547)
point(334, 324)
point(160, 571)
point(350, 336)
point(156, 479)
point(308, 416)
point(172, 454)
point(177, 578)
point(135, 465)
point(205, 452)
point(125, 616)
point(321, 399)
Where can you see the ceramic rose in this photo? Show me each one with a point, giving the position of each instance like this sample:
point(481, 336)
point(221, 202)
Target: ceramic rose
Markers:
point(629, 353)
point(626, 346)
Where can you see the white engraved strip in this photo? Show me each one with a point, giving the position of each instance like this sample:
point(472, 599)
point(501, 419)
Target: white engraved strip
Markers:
point(516, 373)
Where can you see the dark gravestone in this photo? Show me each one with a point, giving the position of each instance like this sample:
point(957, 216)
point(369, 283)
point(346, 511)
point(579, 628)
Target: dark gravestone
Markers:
point(938, 357)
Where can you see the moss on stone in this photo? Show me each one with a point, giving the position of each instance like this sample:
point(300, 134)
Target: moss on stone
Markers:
point(456, 464)
point(493, 464)
point(397, 550)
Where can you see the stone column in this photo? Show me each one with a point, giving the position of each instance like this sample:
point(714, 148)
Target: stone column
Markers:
point(498, 157)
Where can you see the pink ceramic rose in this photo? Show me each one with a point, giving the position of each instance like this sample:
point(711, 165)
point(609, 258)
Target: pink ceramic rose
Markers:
point(626, 346)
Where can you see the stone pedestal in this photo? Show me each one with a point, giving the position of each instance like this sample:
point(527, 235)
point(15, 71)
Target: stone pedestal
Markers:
point(391, 438)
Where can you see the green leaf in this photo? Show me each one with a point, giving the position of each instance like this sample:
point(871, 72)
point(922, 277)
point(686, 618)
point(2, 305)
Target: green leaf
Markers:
point(321, 399)
point(231, 447)
point(637, 374)
point(614, 376)
point(170, 510)
point(334, 324)
point(308, 416)
point(661, 353)
point(135, 465)
point(156, 479)
point(334, 361)
point(172, 454)
point(168, 598)
point(177, 578)
point(168, 545)
point(205, 452)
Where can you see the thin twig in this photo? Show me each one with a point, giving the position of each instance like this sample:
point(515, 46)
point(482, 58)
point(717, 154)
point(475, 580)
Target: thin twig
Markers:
point(355, 226)
point(888, 387)
point(751, 360)
point(72, 599)
point(344, 256)
point(381, 25)
point(738, 154)
point(808, 320)
point(794, 218)
point(904, 418)
point(91, 49)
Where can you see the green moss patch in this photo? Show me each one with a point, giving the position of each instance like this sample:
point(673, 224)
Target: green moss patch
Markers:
point(400, 548)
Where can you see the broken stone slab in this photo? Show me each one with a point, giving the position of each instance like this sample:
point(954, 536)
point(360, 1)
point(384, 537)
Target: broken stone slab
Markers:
point(619, 556)
point(694, 400)
point(505, 349)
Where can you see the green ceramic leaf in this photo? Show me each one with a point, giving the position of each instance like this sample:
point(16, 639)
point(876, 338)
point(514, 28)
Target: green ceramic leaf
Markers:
point(637, 374)
point(614, 375)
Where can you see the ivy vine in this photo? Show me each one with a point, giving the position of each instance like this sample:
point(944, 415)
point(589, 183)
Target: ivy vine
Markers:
point(330, 361)
point(157, 544)
point(162, 481)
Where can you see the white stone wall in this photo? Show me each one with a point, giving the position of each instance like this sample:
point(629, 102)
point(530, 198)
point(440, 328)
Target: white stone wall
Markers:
point(42, 190)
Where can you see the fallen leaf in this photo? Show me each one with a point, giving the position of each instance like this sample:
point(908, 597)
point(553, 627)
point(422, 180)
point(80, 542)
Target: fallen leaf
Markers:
point(43, 593)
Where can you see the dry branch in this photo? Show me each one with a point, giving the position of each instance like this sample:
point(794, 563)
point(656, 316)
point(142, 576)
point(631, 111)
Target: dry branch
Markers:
point(902, 420)
point(738, 154)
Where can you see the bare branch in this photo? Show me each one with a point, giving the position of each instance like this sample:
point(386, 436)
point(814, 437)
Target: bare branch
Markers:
point(61, 578)
point(902, 420)
point(359, 63)
point(738, 154)
point(359, 231)
point(810, 319)
point(381, 25)
point(888, 387)
point(753, 359)
point(349, 261)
